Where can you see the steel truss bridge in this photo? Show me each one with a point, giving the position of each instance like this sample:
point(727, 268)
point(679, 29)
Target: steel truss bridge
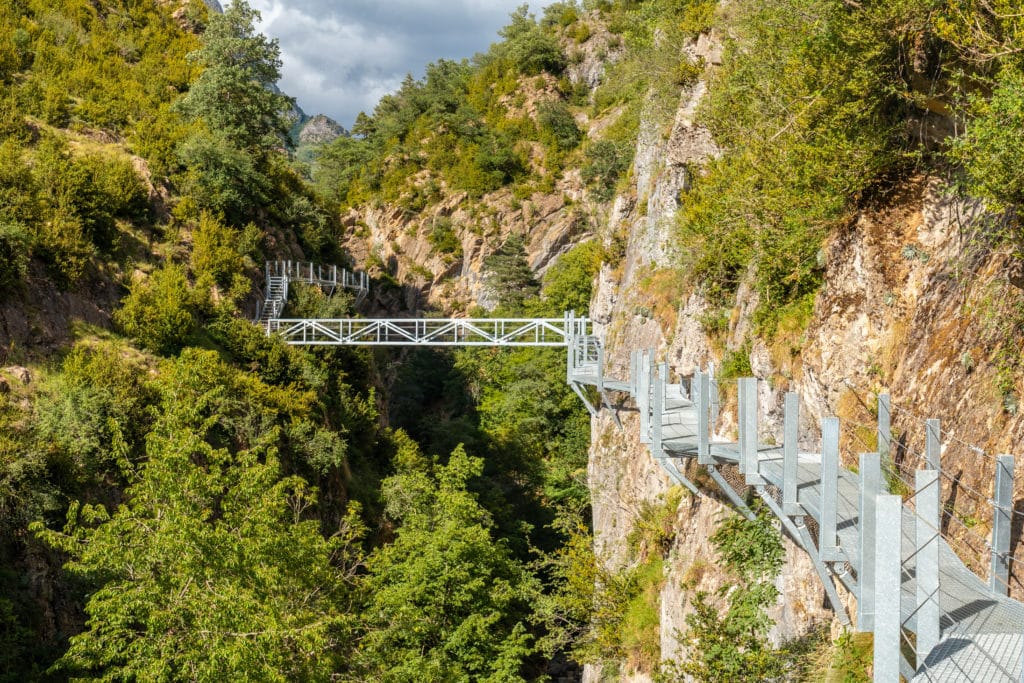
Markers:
point(933, 618)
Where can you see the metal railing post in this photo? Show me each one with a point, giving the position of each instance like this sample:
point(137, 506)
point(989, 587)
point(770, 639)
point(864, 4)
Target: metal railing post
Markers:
point(658, 409)
point(886, 537)
point(716, 404)
point(933, 446)
point(926, 537)
point(827, 538)
point(644, 397)
point(748, 431)
point(1002, 509)
point(703, 391)
point(885, 427)
point(790, 454)
point(870, 486)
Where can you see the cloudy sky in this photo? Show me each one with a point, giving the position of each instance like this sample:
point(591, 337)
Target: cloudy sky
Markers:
point(340, 56)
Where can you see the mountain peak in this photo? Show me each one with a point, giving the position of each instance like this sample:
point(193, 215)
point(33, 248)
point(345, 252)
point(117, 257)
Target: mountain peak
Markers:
point(320, 129)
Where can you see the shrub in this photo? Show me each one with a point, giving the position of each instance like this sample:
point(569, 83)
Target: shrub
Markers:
point(557, 126)
point(15, 248)
point(215, 251)
point(443, 239)
point(529, 48)
point(605, 162)
point(993, 147)
point(157, 311)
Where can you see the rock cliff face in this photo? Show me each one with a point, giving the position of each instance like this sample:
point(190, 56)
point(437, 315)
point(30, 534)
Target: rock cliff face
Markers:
point(909, 306)
point(320, 129)
point(451, 278)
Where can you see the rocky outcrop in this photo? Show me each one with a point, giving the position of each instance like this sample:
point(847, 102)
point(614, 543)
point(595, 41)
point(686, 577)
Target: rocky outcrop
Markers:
point(449, 275)
point(40, 317)
point(319, 130)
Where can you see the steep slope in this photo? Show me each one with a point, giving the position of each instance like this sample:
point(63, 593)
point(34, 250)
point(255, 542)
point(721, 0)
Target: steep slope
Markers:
point(909, 291)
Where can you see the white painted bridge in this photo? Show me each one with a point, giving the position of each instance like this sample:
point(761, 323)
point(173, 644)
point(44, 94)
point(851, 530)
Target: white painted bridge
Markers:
point(933, 618)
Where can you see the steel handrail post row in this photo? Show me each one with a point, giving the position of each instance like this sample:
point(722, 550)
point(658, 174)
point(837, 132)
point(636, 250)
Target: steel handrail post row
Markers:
point(870, 488)
point(926, 559)
point(999, 571)
point(790, 454)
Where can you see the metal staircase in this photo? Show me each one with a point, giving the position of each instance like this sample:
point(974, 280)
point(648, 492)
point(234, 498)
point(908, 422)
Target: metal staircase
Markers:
point(279, 273)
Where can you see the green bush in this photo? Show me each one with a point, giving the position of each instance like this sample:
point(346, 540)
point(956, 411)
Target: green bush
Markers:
point(215, 254)
point(15, 250)
point(606, 160)
point(992, 150)
point(443, 239)
point(529, 47)
point(157, 312)
point(558, 126)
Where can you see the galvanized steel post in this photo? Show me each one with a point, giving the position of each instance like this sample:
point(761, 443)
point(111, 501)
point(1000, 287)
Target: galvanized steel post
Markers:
point(790, 454)
point(870, 487)
point(933, 446)
point(926, 557)
point(703, 392)
point(999, 573)
point(827, 532)
point(885, 542)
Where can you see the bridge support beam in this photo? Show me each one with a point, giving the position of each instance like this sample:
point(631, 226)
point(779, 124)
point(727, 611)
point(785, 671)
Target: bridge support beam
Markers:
point(926, 561)
point(870, 488)
point(730, 493)
point(1002, 511)
point(797, 530)
point(884, 585)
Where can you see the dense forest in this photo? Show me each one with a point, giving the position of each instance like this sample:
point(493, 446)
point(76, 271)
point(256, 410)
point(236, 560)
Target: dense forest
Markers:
point(185, 498)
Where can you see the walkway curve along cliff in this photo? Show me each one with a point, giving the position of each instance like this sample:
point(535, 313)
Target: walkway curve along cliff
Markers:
point(912, 589)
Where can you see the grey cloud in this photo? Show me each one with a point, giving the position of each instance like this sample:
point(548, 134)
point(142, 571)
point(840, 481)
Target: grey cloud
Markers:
point(341, 56)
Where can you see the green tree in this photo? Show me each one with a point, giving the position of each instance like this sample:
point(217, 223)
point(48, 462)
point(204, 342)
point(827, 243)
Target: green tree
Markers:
point(508, 275)
point(529, 47)
point(731, 644)
point(233, 95)
point(212, 568)
point(557, 125)
point(447, 601)
point(993, 147)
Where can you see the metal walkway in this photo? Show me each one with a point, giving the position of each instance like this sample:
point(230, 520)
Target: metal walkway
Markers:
point(932, 617)
point(280, 273)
